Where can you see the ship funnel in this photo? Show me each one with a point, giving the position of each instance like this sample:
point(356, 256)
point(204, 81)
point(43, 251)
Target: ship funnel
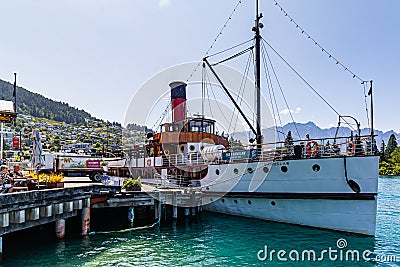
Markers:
point(178, 100)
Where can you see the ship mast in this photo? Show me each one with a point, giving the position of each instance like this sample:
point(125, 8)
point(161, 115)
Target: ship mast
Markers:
point(256, 29)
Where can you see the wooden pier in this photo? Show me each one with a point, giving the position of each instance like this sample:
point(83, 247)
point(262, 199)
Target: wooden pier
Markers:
point(23, 210)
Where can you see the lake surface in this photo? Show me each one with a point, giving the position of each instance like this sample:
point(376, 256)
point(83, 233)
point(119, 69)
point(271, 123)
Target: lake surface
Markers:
point(220, 240)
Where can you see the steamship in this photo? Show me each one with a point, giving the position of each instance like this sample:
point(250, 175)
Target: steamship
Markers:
point(327, 183)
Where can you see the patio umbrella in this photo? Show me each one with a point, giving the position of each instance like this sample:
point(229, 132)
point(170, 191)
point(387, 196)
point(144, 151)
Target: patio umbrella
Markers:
point(37, 159)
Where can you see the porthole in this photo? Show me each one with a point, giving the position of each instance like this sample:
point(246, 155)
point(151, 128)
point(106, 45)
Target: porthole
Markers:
point(273, 203)
point(182, 148)
point(211, 200)
point(235, 171)
point(191, 147)
point(250, 170)
point(316, 167)
point(249, 201)
point(223, 200)
point(266, 169)
point(235, 201)
point(284, 169)
point(217, 172)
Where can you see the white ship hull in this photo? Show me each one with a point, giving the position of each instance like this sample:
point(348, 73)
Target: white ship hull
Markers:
point(300, 195)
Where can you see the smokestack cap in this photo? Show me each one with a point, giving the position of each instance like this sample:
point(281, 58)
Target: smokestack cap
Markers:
point(178, 90)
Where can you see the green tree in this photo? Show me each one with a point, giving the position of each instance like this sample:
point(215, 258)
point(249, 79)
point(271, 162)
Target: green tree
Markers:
point(382, 150)
point(391, 145)
point(395, 156)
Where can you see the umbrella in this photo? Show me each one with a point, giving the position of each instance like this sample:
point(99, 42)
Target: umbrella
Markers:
point(37, 159)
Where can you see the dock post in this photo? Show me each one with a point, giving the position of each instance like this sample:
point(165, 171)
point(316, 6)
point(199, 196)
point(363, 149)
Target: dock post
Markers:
point(199, 206)
point(193, 203)
point(60, 228)
point(174, 206)
point(86, 217)
point(1, 250)
point(131, 214)
point(157, 207)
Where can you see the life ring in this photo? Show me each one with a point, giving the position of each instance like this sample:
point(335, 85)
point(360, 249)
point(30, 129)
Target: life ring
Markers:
point(350, 148)
point(166, 152)
point(312, 147)
point(148, 162)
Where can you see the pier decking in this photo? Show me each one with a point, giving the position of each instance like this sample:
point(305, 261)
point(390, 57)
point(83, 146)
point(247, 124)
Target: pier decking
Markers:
point(23, 210)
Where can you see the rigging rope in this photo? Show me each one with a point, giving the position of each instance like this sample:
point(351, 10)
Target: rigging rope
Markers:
point(317, 44)
point(280, 87)
point(241, 91)
point(230, 48)
point(216, 38)
point(272, 96)
point(234, 56)
point(162, 116)
point(307, 83)
point(217, 102)
point(366, 105)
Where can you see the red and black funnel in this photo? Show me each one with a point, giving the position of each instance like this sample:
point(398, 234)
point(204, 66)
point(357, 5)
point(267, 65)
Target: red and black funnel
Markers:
point(178, 100)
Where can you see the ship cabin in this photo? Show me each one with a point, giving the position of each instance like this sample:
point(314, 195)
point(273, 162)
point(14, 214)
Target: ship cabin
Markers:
point(189, 135)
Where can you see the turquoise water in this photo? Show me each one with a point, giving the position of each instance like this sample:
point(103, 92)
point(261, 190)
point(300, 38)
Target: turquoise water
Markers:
point(218, 240)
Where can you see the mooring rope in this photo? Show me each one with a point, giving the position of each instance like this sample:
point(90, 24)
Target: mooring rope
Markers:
point(135, 228)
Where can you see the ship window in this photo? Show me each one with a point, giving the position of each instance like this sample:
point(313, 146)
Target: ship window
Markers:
point(235, 201)
point(250, 170)
point(201, 126)
point(273, 203)
point(182, 148)
point(316, 167)
point(249, 201)
point(223, 200)
point(235, 171)
point(266, 169)
point(284, 169)
point(192, 147)
point(217, 172)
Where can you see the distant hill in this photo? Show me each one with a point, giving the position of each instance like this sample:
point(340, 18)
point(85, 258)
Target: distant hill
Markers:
point(36, 105)
point(140, 128)
point(315, 132)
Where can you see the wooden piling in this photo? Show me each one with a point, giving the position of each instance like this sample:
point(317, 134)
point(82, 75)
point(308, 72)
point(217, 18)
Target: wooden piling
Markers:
point(187, 212)
point(60, 228)
point(174, 206)
point(131, 214)
point(85, 221)
point(1, 250)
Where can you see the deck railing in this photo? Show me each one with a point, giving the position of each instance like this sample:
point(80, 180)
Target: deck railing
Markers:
point(296, 149)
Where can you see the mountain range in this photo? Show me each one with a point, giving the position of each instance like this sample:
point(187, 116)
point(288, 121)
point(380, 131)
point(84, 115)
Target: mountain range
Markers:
point(314, 132)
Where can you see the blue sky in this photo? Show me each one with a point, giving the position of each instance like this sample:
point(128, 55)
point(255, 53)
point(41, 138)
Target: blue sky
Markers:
point(94, 54)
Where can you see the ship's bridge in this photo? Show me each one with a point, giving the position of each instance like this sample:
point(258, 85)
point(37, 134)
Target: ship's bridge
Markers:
point(201, 125)
point(188, 135)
